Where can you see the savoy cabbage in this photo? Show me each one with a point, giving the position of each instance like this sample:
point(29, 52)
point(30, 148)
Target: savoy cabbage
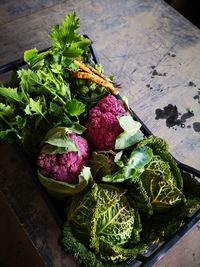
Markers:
point(104, 219)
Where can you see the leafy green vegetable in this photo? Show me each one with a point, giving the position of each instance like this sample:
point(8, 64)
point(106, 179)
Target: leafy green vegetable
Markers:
point(162, 226)
point(101, 164)
point(60, 189)
point(11, 94)
point(75, 107)
point(30, 54)
point(57, 142)
point(151, 176)
point(160, 185)
point(191, 186)
point(160, 147)
point(66, 40)
point(43, 98)
point(133, 168)
point(119, 159)
point(131, 134)
point(157, 187)
point(35, 107)
point(104, 219)
point(84, 256)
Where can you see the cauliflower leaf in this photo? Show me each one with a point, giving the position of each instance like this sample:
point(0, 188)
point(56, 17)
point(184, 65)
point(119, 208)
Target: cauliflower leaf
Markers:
point(61, 189)
point(57, 142)
point(131, 134)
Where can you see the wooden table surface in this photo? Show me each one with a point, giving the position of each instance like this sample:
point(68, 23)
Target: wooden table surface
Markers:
point(152, 50)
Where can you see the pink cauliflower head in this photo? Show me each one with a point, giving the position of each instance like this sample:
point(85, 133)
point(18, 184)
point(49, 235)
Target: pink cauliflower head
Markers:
point(102, 124)
point(67, 166)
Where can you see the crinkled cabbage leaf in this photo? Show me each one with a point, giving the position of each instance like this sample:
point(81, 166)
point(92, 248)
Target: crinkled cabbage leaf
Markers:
point(104, 219)
point(152, 177)
point(160, 185)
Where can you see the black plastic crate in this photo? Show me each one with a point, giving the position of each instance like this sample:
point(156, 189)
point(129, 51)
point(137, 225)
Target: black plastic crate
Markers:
point(58, 207)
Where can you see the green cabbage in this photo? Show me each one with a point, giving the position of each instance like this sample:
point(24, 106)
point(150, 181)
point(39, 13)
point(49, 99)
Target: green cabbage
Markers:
point(133, 168)
point(104, 219)
point(160, 185)
point(151, 176)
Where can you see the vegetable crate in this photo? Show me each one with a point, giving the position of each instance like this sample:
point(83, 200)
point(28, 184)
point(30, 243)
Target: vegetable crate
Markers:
point(154, 251)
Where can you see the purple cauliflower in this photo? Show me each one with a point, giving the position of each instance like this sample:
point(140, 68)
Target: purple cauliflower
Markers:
point(102, 124)
point(67, 166)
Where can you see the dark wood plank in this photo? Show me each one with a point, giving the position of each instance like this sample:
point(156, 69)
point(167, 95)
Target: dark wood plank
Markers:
point(16, 248)
point(27, 202)
point(11, 10)
point(185, 253)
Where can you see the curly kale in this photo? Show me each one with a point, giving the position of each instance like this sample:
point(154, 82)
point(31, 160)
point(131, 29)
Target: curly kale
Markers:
point(78, 250)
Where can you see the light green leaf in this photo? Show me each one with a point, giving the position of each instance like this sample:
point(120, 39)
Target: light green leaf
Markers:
point(57, 137)
point(73, 66)
point(75, 107)
point(138, 159)
point(67, 40)
point(36, 106)
point(10, 93)
point(59, 132)
point(63, 189)
point(77, 128)
point(131, 134)
point(127, 139)
point(6, 110)
point(30, 54)
point(65, 32)
point(36, 60)
point(56, 68)
point(27, 110)
point(128, 124)
point(59, 146)
point(73, 51)
point(118, 159)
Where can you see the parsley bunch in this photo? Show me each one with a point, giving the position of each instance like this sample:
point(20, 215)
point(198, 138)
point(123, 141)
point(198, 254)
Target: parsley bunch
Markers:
point(43, 98)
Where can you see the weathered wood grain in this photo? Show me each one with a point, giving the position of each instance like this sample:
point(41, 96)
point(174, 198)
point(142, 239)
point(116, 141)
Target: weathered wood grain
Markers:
point(188, 245)
point(16, 248)
point(11, 10)
point(132, 38)
point(28, 202)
